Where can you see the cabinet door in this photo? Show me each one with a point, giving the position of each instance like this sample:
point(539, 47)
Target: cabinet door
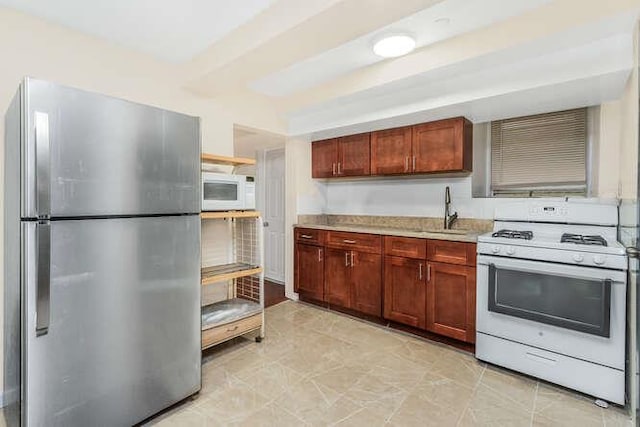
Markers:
point(451, 301)
point(354, 155)
point(336, 280)
point(391, 151)
point(309, 271)
point(324, 158)
point(405, 290)
point(366, 283)
point(442, 146)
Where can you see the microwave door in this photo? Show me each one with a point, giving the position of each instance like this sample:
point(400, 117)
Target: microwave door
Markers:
point(221, 195)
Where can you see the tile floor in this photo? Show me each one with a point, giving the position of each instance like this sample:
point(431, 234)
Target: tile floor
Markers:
point(317, 368)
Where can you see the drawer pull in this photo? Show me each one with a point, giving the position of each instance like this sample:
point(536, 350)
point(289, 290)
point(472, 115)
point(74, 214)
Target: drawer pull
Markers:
point(306, 236)
point(538, 358)
point(351, 242)
point(235, 328)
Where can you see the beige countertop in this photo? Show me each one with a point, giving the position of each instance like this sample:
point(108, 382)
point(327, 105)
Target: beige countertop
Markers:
point(452, 235)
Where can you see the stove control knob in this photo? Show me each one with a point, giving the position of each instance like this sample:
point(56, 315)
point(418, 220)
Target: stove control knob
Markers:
point(495, 249)
point(578, 257)
point(510, 251)
point(598, 259)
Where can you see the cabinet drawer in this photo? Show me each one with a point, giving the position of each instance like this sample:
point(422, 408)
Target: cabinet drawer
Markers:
point(309, 236)
point(406, 247)
point(227, 331)
point(451, 252)
point(370, 243)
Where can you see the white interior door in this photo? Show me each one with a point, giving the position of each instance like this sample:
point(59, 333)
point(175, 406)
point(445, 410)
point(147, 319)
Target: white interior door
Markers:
point(274, 201)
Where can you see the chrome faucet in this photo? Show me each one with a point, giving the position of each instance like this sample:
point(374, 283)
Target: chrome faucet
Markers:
point(448, 218)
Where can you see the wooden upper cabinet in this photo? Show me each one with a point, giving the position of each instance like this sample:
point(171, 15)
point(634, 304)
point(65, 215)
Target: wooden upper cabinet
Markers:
point(344, 156)
point(391, 151)
point(324, 158)
point(443, 146)
point(440, 146)
point(354, 155)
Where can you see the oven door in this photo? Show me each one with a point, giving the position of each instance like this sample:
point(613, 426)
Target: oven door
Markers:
point(567, 301)
point(558, 307)
point(222, 193)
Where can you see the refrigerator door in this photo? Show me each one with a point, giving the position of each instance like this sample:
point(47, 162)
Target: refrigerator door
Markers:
point(123, 335)
point(92, 155)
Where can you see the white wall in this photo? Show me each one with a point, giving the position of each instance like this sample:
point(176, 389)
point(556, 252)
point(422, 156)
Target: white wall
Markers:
point(304, 195)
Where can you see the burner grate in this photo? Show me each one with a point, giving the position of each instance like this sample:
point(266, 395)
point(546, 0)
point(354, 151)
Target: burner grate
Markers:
point(580, 239)
point(513, 234)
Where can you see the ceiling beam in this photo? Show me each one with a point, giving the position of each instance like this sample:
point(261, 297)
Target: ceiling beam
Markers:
point(341, 22)
point(550, 19)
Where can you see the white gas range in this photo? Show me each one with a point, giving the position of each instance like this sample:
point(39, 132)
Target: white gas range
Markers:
point(551, 295)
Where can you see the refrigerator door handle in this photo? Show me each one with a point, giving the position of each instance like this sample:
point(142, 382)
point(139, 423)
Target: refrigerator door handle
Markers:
point(43, 284)
point(43, 180)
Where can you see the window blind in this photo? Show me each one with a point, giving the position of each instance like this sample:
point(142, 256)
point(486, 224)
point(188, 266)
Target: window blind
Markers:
point(544, 153)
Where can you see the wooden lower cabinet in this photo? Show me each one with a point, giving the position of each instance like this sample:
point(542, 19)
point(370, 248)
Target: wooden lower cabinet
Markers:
point(451, 301)
point(354, 280)
point(337, 289)
point(405, 290)
point(348, 270)
point(309, 271)
point(366, 283)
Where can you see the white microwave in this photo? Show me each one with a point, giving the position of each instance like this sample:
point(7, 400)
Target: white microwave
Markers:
point(226, 192)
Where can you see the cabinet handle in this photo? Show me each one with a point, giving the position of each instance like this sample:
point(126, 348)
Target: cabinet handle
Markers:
point(428, 272)
point(420, 271)
point(346, 259)
point(351, 242)
point(406, 164)
point(339, 168)
point(319, 254)
point(352, 264)
point(333, 169)
point(232, 329)
point(414, 163)
point(306, 236)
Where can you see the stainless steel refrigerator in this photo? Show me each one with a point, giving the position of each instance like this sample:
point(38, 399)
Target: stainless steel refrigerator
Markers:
point(101, 258)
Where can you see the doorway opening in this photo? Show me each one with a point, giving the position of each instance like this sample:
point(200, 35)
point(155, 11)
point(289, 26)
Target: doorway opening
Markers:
point(269, 172)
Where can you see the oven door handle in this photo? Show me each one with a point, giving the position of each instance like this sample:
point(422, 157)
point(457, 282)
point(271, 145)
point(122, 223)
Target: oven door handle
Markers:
point(553, 269)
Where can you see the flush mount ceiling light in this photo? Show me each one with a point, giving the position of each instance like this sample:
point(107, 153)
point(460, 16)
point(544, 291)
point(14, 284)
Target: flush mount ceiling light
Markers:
point(394, 45)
